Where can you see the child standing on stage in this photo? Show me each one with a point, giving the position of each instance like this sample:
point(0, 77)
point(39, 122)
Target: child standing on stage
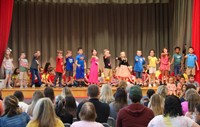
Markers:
point(59, 68)
point(69, 66)
point(123, 71)
point(23, 67)
point(138, 66)
point(177, 60)
point(8, 67)
point(191, 62)
point(80, 66)
point(93, 77)
point(152, 67)
point(107, 64)
point(164, 64)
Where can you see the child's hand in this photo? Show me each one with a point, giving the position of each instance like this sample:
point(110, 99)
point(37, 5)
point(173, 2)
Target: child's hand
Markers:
point(78, 65)
point(144, 58)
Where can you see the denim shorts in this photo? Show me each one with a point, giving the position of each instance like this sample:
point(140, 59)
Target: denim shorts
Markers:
point(8, 72)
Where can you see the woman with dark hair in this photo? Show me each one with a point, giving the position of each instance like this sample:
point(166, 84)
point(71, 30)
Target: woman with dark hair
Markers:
point(66, 108)
point(173, 116)
point(13, 115)
point(119, 102)
point(46, 67)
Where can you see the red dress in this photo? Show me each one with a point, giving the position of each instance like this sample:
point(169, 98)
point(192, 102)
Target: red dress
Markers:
point(93, 77)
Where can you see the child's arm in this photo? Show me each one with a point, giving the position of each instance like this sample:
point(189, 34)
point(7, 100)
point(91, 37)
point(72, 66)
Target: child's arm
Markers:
point(85, 64)
point(172, 61)
point(197, 65)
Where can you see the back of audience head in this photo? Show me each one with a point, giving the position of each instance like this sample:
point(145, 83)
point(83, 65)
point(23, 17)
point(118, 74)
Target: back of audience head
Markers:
point(11, 107)
point(19, 95)
point(120, 99)
point(93, 91)
point(156, 104)
point(135, 94)
point(162, 90)
point(36, 96)
point(189, 92)
point(88, 112)
point(172, 107)
point(48, 92)
point(44, 113)
point(197, 112)
point(66, 91)
point(193, 100)
point(106, 95)
point(150, 92)
point(190, 86)
point(122, 84)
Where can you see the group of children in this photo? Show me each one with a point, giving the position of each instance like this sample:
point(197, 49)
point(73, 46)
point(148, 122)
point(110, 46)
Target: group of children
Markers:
point(143, 73)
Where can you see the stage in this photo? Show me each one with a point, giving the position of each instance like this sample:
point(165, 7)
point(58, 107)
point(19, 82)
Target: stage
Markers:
point(78, 92)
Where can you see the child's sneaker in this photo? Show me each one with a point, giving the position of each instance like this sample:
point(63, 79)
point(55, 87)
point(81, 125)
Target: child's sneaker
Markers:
point(150, 85)
point(33, 86)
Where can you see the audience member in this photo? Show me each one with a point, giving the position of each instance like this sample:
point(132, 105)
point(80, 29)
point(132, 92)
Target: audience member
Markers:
point(156, 104)
point(48, 92)
point(162, 90)
point(193, 82)
point(185, 103)
point(87, 115)
point(13, 115)
point(197, 112)
point(44, 115)
point(136, 114)
point(36, 96)
point(20, 96)
point(66, 108)
point(102, 109)
point(119, 102)
point(106, 95)
point(150, 92)
point(193, 101)
point(172, 115)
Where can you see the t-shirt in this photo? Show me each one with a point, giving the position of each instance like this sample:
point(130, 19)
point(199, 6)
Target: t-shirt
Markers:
point(177, 59)
point(69, 63)
point(152, 61)
point(59, 65)
point(20, 120)
point(179, 121)
point(195, 83)
point(107, 63)
point(191, 60)
point(23, 106)
point(51, 78)
point(59, 123)
point(34, 63)
point(139, 62)
point(8, 63)
point(86, 124)
point(80, 59)
point(23, 63)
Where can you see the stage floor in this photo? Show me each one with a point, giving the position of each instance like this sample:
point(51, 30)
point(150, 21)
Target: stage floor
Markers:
point(78, 92)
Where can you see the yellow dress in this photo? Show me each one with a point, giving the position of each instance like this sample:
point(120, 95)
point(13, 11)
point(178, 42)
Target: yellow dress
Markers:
point(59, 123)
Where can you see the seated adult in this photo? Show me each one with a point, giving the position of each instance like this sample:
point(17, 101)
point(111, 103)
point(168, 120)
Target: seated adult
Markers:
point(13, 115)
point(173, 116)
point(191, 80)
point(66, 108)
point(44, 115)
point(48, 92)
point(197, 112)
point(102, 109)
point(119, 102)
point(135, 114)
point(20, 96)
point(87, 115)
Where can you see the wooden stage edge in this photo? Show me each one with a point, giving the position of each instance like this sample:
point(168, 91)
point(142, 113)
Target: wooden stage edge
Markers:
point(78, 92)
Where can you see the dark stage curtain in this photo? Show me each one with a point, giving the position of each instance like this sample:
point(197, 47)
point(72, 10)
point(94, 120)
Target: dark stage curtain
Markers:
point(118, 27)
point(196, 32)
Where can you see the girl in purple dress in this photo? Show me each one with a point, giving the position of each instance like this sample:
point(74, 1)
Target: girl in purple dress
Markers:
point(94, 66)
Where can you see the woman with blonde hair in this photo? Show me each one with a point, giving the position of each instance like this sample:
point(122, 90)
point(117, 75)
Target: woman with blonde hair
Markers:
point(44, 115)
point(106, 95)
point(66, 92)
point(156, 104)
point(13, 115)
point(162, 90)
point(87, 116)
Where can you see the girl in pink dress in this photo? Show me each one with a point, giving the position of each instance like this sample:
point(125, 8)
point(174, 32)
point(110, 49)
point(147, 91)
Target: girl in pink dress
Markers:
point(94, 66)
point(171, 87)
point(164, 64)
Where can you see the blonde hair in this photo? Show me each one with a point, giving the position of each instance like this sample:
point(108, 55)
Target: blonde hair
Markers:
point(65, 92)
point(106, 95)
point(44, 113)
point(122, 84)
point(156, 104)
point(162, 90)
